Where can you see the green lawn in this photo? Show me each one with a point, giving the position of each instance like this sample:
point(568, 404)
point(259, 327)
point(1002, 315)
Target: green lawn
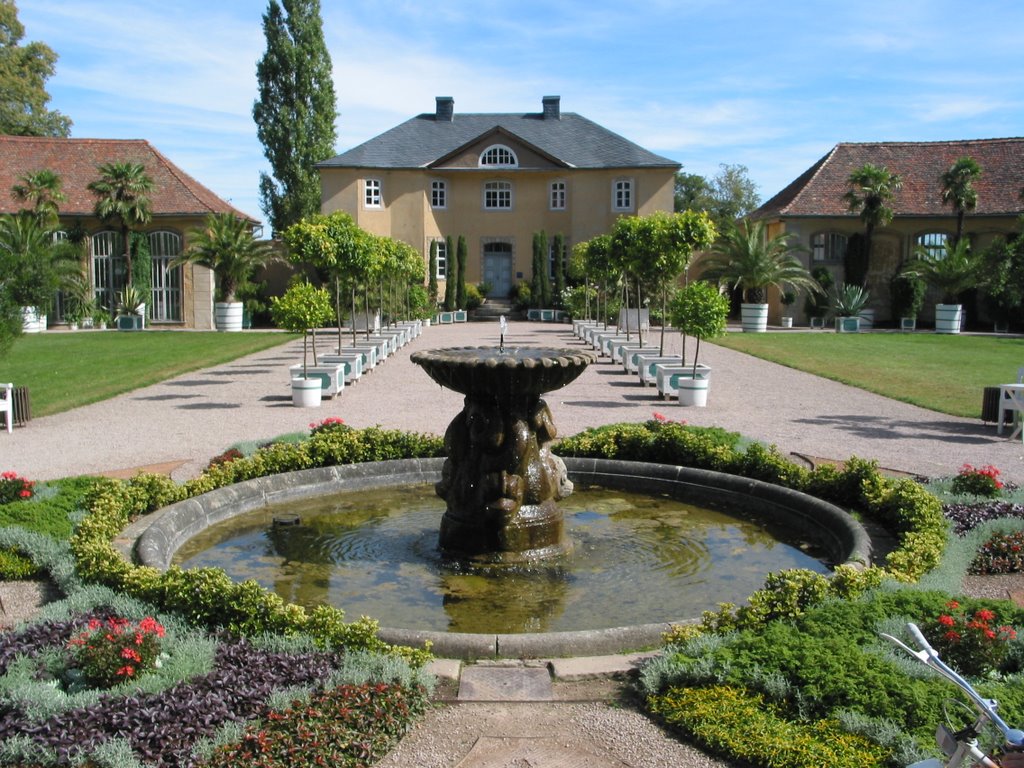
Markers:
point(67, 370)
point(945, 373)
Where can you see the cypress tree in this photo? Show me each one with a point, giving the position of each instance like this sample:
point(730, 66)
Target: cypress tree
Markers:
point(460, 285)
point(432, 279)
point(450, 274)
point(295, 110)
point(545, 271)
point(558, 249)
point(536, 286)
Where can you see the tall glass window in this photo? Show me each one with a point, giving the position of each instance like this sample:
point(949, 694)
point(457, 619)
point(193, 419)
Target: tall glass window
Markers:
point(934, 244)
point(371, 193)
point(165, 300)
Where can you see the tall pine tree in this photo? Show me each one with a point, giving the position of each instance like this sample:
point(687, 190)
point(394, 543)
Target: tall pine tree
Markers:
point(295, 111)
point(558, 254)
point(451, 274)
point(460, 286)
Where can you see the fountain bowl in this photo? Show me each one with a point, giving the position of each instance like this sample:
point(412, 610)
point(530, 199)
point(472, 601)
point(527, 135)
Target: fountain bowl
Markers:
point(503, 374)
point(157, 537)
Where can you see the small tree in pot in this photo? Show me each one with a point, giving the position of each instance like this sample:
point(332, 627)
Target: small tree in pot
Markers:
point(699, 310)
point(303, 309)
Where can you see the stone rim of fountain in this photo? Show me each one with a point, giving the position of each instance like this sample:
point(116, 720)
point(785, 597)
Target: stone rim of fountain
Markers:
point(157, 537)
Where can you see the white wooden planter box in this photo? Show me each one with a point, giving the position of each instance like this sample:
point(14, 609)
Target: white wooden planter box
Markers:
point(630, 357)
point(352, 363)
point(369, 355)
point(647, 366)
point(668, 377)
point(332, 376)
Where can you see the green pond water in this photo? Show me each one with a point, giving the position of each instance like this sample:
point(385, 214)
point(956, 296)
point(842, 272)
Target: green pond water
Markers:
point(636, 559)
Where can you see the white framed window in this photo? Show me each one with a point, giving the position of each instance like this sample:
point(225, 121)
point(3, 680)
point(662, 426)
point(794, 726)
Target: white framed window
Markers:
point(442, 259)
point(438, 194)
point(622, 195)
point(828, 246)
point(497, 195)
point(498, 156)
point(371, 193)
point(934, 243)
point(557, 196)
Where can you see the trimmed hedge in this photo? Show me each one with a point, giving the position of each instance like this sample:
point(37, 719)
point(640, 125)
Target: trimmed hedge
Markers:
point(741, 725)
point(206, 596)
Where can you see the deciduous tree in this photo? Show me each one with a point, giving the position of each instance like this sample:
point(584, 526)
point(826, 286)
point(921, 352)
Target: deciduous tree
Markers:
point(24, 70)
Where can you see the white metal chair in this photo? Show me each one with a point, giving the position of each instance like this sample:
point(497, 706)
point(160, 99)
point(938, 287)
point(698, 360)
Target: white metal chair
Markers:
point(7, 405)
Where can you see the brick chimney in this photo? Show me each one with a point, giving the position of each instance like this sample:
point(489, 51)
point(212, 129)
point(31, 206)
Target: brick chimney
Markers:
point(445, 109)
point(552, 107)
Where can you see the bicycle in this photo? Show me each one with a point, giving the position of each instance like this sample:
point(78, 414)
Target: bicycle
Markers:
point(959, 745)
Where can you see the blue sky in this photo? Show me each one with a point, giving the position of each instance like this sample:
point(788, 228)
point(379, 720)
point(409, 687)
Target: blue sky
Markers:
point(769, 86)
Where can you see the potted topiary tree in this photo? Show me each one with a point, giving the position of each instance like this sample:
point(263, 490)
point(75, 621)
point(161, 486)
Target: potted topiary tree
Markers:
point(907, 292)
point(699, 310)
point(303, 309)
point(786, 299)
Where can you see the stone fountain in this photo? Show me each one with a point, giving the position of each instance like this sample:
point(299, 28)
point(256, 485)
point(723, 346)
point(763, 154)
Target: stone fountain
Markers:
point(501, 483)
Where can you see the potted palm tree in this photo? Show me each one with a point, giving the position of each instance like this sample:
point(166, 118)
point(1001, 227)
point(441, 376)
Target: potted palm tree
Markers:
point(951, 274)
point(303, 309)
point(699, 310)
point(745, 258)
point(225, 244)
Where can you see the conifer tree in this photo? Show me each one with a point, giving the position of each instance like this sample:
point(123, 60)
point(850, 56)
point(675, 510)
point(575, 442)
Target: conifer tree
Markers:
point(295, 110)
point(451, 274)
point(558, 251)
point(460, 285)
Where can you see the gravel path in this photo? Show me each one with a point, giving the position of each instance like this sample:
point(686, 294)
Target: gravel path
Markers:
point(183, 422)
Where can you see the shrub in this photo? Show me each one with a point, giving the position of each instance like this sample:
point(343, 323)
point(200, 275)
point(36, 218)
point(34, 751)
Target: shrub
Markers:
point(345, 726)
point(225, 458)
point(980, 481)
point(1003, 553)
point(14, 488)
point(716, 716)
point(112, 651)
point(972, 642)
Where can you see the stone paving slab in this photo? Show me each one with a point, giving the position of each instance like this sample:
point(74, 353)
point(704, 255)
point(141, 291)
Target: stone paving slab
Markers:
point(491, 752)
point(487, 683)
point(594, 667)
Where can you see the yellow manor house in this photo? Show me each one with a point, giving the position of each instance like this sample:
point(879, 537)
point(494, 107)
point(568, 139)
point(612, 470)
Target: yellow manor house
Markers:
point(495, 179)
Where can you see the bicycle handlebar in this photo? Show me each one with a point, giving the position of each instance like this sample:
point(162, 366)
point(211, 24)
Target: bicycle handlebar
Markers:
point(930, 658)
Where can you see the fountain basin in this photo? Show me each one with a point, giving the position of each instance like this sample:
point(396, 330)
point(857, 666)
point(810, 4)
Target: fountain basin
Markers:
point(838, 534)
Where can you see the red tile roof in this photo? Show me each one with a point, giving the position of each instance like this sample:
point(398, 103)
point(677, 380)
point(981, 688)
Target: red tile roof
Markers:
point(819, 190)
point(175, 193)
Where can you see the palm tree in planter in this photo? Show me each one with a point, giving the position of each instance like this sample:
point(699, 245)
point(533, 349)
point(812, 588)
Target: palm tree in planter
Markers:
point(225, 244)
point(303, 309)
point(122, 195)
point(958, 190)
point(698, 310)
point(956, 271)
point(872, 188)
point(746, 258)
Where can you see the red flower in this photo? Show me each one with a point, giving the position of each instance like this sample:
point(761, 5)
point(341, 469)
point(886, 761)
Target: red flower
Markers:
point(946, 620)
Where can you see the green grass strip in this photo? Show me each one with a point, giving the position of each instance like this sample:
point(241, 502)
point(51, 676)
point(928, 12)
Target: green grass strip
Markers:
point(944, 373)
point(69, 370)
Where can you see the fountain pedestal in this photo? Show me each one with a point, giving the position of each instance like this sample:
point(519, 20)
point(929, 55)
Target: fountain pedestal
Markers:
point(501, 482)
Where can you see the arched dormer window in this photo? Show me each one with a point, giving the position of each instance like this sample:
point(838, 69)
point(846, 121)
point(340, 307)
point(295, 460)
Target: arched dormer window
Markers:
point(498, 156)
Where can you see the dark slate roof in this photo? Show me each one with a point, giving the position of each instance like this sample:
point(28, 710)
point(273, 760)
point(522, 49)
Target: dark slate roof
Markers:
point(175, 193)
point(819, 190)
point(571, 140)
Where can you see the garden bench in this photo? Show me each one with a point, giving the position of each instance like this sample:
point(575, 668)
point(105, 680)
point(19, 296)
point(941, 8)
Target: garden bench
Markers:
point(7, 405)
point(332, 376)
